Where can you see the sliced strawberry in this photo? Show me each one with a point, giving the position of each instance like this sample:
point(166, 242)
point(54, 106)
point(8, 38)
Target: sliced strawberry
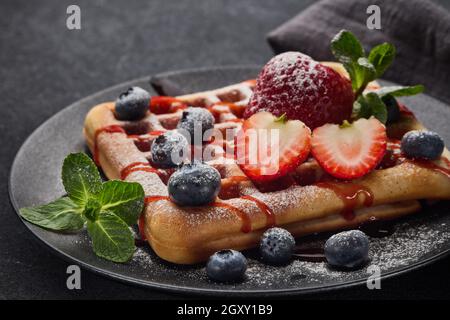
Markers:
point(268, 147)
point(349, 151)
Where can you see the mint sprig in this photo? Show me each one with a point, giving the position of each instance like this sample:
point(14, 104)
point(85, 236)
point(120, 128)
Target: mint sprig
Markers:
point(363, 69)
point(108, 208)
point(111, 237)
point(371, 105)
point(122, 199)
point(62, 215)
point(400, 91)
point(80, 178)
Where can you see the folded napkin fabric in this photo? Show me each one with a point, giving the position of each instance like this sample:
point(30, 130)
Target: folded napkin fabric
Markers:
point(419, 29)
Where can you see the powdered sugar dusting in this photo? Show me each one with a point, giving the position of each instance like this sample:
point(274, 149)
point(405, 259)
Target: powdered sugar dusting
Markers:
point(290, 198)
point(304, 89)
point(285, 74)
point(415, 238)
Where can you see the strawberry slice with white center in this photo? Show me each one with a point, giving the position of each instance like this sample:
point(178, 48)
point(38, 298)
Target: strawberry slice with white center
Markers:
point(349, 151)
point(269, 147)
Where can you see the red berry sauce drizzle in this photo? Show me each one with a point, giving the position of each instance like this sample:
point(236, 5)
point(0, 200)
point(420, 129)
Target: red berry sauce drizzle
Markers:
point(137, 166)
point(236, 110)
point(433, 166)
point(150, 199)
point(151, 133)
point(270, 216)
point(141, 222)
point(231, 190)
point(166, 104)
point(119, 129)
point(141, 226)
point(348, 192)
point(394, 156)
point(109, 129)
point(246, 221)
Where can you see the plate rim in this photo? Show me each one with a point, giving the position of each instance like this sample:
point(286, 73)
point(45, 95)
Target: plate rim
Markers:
point(189, 289)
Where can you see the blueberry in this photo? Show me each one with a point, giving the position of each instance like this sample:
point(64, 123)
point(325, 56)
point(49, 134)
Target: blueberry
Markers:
point(348, 249)
point(169, 149)
point(422, 145)
point(226, 266)
point(194, 184)
point(393, 109)
point(132, 104)
point(276, 246)
point(196, 120)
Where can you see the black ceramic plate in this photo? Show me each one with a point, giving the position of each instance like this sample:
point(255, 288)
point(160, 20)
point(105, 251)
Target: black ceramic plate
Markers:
point(35, 179)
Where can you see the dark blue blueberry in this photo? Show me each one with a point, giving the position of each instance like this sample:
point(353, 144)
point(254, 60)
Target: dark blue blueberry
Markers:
point(422, 145)
point(194, 184)
point(169, 149)
point(348, 249)
point(195, 121)
point(226, 266)
point(277, 246)
point(132, 104)
point(393, 109)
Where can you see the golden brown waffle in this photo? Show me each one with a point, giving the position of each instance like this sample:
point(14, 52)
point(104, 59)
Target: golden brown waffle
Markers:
point(244, 211)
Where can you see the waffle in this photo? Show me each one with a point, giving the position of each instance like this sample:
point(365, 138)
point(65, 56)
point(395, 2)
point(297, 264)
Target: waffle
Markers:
point(305, 202)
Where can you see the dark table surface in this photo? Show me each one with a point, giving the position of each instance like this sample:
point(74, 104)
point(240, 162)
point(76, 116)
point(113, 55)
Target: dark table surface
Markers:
point(45, 67)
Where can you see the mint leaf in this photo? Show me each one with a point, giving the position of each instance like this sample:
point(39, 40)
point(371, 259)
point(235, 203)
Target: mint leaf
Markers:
point(368, 68)
point(362, 108)
point(346, 47)
point(348, 50)
point(381, 57)
point(62, 214)
point(364, 73)
point(80, 177)
point(108, 208)
point(371, 105)
point(400, 91)
point(92, 209)
point(111, 237)
point(125, 199)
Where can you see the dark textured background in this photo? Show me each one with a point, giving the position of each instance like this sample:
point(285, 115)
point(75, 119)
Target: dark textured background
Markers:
point(45, 67)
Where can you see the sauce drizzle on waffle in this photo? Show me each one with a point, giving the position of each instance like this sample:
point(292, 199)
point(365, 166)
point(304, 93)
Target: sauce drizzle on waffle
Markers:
point(270, 216)
point(231, 112)
point(246, 221)
point(110, 129)
point(349, 192)
point(433, 166)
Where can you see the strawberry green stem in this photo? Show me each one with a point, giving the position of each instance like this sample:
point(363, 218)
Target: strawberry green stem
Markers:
point(345, 124)
point(283, 118)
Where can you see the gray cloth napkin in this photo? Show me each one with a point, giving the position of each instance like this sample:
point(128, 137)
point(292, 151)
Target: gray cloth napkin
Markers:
point(419, 29)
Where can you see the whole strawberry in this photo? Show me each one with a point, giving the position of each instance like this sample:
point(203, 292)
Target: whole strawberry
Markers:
point(294, 84)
